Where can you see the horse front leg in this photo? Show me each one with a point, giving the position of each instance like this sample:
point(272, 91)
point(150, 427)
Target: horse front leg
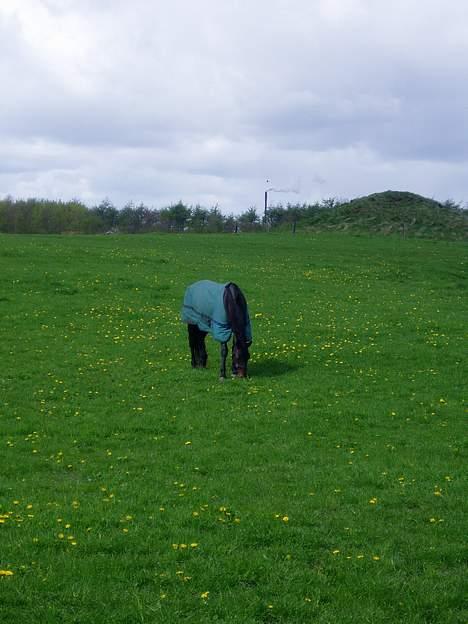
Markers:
point(224, 352)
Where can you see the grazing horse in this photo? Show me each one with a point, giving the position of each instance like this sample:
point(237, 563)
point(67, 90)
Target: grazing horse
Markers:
point(220, 310)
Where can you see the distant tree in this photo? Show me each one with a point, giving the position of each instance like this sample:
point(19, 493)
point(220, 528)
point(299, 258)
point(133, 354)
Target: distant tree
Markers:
point(276, 216)
point(75, 216)
point(164, 220)
point(24, 217)
point(142, 218)
point(7, 215)
point(249, 221)
point(107, 213)
point(230, 223)
point(199, 219)
point(330, 202)
point(215, 220)
point(51, 217)
point(152, 219)
point(129, 219)
point(178, 216)
point(92, 224)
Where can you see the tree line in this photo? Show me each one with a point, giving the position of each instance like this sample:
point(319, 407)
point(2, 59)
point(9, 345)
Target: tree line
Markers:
point(387, 212)
point(43, 216)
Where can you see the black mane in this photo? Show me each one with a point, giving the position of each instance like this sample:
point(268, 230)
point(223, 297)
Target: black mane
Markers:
point(235, 305)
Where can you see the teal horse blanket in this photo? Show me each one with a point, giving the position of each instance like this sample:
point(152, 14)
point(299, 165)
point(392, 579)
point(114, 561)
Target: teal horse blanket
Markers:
point(204, 306)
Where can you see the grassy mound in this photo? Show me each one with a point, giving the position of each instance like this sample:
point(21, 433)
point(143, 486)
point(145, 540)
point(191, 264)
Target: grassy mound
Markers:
point(397, 212)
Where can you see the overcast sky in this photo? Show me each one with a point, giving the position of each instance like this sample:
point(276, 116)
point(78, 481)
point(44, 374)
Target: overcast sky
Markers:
point(204, 101)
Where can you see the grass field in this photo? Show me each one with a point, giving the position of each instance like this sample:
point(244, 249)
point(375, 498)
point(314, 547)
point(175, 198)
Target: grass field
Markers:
point(327, 488)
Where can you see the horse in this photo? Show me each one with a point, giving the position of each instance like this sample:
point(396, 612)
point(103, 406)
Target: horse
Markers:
point(221, 311)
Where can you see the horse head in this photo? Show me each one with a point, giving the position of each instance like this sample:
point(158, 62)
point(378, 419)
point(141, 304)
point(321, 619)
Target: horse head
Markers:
point(240, 357)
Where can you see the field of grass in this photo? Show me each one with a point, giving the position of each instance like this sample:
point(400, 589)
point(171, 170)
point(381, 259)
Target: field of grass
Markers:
point(328, 488)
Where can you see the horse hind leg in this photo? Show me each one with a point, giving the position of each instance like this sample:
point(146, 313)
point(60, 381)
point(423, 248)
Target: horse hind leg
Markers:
point(224, 352)
point(202, 353)
point(195, 340)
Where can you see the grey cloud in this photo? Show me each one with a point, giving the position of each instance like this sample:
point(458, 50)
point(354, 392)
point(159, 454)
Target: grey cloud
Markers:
point(138, 104)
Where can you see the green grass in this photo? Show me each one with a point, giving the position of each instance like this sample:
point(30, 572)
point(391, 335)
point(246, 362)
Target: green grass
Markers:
point(327, 488)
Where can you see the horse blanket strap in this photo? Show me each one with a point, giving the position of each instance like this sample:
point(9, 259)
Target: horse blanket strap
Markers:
point(204, 306)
